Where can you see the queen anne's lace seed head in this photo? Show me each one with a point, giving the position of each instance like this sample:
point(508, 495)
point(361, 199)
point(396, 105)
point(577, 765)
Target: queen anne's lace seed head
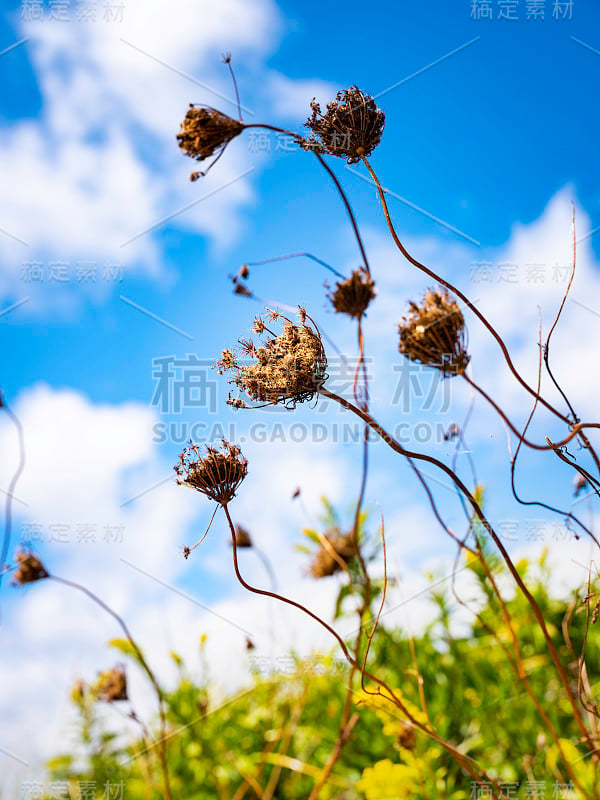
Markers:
point(217, 472)
point(350, 128)
point(30, 568)
point(338, 548)
point(353, 295)
point(433, 333)
point(286, 368)
point(112, 685)
point(206, 132)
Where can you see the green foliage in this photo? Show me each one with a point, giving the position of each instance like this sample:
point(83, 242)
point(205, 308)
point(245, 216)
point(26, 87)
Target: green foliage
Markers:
point(273, 739)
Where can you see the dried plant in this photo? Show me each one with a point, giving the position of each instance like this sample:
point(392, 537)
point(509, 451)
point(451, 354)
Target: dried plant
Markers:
point(206, 132)
point(335, 551)
point(242, 537)
point(112, 685)
point(433, 333)
point(350, 128)
point(288, 368)
point(217, 473)
point(30, 568)
point(353, 295)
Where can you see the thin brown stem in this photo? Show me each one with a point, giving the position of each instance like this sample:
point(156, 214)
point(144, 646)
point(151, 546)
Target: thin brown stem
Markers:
point(482, 778)
point(574, 431)
point(457, 292)
point(395, 445)
point(337, 184)
point(162, 742)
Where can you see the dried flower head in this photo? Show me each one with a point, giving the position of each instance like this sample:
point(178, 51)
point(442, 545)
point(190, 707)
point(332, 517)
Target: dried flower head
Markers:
point(350, 128)
point(353, 295)
point(30, 568)
point(338, 548)
point(206, 132)
point(217, 474)
point(242, 537)
point(407, 738)
point(579, 484)
point(433, 333)
point(287, 368)
point(112, 685)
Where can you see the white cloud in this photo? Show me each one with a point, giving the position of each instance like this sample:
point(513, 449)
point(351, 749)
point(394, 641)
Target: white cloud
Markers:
point(100, 166)
point(291, 98)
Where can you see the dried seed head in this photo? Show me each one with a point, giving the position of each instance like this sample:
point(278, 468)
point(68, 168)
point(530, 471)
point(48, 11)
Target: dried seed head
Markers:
point(250, 644)
point(353, 295)
point(244, 271)
point(325, 562)
point(239, 288)
point(227, 361)
point(258, 326)
point(407, 738)
point(30, 568)
point(350, 128)
point(242, 537)
point(112, 685)
point(206, 132)
point(217, 474)
point(433, 333)
point(289, 368)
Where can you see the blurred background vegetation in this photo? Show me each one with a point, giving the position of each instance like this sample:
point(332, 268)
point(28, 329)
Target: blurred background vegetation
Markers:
point(273, 738)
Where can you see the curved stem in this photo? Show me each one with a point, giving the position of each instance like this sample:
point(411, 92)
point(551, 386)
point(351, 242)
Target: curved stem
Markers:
point(337, 183)
point(470, 766)
point(12, 485)
point(584, 439)
point(513, 465)
point(395, 445)
point(162, 743)
point(574, 431)
point(457, 292)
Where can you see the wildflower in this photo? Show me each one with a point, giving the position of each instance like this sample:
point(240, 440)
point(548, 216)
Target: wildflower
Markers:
point(112, 685)
point(30, 568)
point(206, 132)
point(242, 537)
point(338, 549)
point(433, 333)
point(353, 295)
point(350, 128)
point(217, 474)
point(287, 368)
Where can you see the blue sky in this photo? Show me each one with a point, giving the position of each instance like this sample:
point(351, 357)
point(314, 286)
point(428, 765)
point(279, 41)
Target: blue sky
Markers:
point(491, 131)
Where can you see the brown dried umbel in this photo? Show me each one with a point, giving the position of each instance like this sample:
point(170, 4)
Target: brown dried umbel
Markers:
point(288, 368)
point(206, 132)
point(112, 685)
point(30, 568)
point(433, 333)
point(353, 295)
point(407, 738)
point(217, 474)
point(242, 537)
point(338, 549)
point(350, 128)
